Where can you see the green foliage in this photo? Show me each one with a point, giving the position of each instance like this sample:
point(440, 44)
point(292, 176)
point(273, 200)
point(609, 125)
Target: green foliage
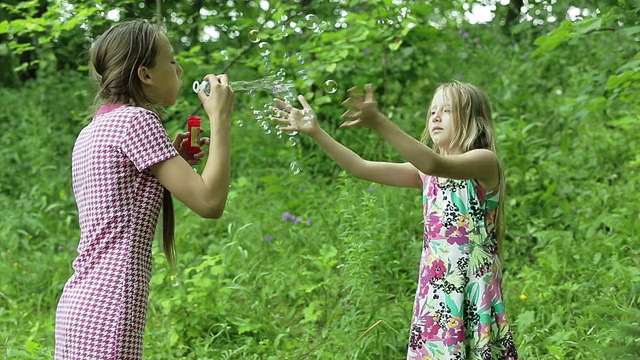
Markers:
point(254, 286)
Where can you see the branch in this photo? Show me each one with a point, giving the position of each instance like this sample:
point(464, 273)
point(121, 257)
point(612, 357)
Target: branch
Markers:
point(233, 61)
point(224, 71)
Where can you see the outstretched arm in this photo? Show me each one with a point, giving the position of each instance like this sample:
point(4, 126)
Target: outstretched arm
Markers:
point(479, 164)
point(304, 121)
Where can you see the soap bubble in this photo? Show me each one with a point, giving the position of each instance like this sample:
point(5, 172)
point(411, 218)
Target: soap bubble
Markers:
point(294, 168)
point(265, 48)
point(266, 128)
point(330, 86)
point(311, 21)
point(254, 36)
point(303, 74)
point(307, 116)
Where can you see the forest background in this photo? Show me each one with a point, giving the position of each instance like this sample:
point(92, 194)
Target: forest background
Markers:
point(310, 263)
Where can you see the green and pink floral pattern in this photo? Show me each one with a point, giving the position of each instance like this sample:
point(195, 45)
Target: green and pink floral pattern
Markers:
point(459, 312)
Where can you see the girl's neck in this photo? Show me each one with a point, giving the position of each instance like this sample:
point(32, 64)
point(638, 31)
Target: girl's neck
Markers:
point(109, 107)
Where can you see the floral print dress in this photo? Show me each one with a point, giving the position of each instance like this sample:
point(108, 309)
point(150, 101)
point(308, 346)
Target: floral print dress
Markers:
point(459, 312)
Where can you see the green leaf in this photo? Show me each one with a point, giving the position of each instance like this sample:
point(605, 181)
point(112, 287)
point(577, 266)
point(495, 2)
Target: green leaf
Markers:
point(526, 318)
point(616, 81)
point(630, 31)
point(553, 39)
point(395, 45)
point(311, 312)
point(588, 25)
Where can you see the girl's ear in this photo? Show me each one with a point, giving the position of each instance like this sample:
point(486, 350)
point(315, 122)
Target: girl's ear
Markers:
point(143, 75)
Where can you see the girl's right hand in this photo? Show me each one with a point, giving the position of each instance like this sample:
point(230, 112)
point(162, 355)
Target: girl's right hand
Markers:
point(219, 103)
point(301, 120)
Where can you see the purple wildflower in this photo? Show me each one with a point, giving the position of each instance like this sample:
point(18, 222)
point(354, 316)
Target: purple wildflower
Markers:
point(476, 39)
point(465, 35)
point(301, 188)
point(479, 46)
point(308, 222)
point(297, 221)
point(60, 247)
point(366, 51)
point(287, 216)
point(268, 238)
point(369, 190)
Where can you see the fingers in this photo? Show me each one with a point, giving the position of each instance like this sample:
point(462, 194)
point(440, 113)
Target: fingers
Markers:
point(288, 128)
point(303, 101)
point(280, 103)
point(350, 102)
point(224, 79)
point(354, 92)
point(351, 114)
point(350, 124)
point(284, 106)
point(212, 78)
point(204, 141)
point(281, 120)
point(181, 137)
point(369, 96)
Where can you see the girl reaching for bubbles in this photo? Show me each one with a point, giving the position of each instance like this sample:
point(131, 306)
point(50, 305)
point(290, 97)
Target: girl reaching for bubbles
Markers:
point(122, 163)
point(459, 311)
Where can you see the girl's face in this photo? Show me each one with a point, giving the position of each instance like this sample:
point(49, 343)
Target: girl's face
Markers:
point(165, 84)
point(440, 121)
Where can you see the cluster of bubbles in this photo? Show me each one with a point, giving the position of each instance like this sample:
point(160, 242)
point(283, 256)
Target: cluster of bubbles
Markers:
point(277, 83)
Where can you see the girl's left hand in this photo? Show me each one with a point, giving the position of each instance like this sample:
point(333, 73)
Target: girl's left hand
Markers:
point(363, 111)
point(181, 144)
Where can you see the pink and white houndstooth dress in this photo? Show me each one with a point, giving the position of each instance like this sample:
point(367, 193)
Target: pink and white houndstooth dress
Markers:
point(102, 310)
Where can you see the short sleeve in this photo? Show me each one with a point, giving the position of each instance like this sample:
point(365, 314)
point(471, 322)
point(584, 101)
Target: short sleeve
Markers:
point(146, 142)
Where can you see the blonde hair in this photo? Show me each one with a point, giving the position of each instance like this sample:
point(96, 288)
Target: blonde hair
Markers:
point(473, 129)
point(115, 58)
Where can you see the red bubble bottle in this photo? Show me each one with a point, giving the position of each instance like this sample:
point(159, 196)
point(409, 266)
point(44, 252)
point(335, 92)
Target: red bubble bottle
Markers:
point(194, 123)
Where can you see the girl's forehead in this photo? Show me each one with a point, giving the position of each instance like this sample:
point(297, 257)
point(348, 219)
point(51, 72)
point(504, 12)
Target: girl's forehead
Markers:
point(164, 43)
point(441, 98)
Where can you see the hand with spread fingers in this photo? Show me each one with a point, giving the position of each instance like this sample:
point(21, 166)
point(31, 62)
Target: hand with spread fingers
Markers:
point(300, 120)
point(363, 110)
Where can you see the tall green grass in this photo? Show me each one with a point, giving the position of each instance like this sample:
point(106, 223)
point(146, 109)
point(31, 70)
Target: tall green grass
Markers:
point(254, 286)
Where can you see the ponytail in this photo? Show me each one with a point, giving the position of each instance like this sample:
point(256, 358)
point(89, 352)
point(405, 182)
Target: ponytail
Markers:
point(168, 228)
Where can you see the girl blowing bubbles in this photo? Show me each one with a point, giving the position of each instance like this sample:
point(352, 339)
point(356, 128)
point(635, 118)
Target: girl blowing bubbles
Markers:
point(458, 311)
point(121, 163)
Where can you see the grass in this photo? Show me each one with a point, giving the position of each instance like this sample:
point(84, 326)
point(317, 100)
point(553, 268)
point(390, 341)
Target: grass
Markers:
point(255, 285)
